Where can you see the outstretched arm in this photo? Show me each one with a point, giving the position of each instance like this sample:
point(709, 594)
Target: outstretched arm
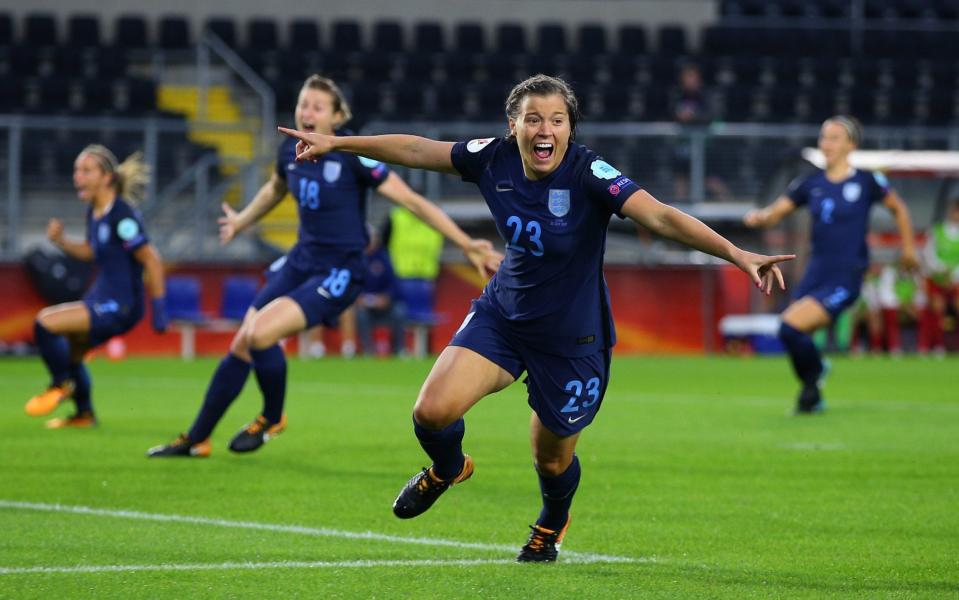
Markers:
point(398, 149)
point(479, 252)
point(900, 212)
point(677, 225)
point(771, 215)
point(268, 196)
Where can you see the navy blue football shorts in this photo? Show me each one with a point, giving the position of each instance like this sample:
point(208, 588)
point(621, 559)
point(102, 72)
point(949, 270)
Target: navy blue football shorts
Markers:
point(322, 295)
point(108, 318)
point(834, 291)
point(565, 392)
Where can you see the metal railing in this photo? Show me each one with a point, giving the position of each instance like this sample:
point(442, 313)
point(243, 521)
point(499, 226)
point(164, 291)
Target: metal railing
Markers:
point(754, 159)
point(210, 45)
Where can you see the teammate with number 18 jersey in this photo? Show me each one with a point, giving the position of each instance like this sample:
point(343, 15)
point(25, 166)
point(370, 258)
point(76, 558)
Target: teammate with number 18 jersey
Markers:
point(318, 279)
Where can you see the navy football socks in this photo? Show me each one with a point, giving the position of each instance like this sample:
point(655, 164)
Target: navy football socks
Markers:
point(81, 387)
point(444, 446)
point(269, 365)
point(558, 496)
point(55, 351)
point(226, 385)
point(806, 360)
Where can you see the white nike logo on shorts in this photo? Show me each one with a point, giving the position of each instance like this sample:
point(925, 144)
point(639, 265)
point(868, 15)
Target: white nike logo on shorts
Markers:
point(572, 420)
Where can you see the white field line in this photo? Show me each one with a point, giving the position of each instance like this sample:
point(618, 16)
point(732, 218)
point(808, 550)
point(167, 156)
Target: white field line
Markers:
point(568, 555)
point(229, 566)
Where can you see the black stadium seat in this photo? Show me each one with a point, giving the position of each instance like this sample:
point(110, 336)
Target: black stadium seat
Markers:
point(429, 37)
point(388, 37)
point(672, 40)
point(6, 30)
point(347, 37)
point(511, 38)
point(408, 101)
point(40, 30)
point(224, 28)
point(456, 66)
point(632, 40)
point(174, 33)
point(304, 36)
point(551, 38)
point(97, 96)
point(591, 39)
point(83, 31)
point(130, 33)
point(469, 38)
point(449, 101)
point(261, 35)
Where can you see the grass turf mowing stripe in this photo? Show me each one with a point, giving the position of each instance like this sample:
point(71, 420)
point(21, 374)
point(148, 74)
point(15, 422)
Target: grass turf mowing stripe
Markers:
point(570, 555)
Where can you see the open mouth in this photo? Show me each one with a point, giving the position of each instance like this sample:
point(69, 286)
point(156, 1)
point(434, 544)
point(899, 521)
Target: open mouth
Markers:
point(543, 150)
point(308, 127)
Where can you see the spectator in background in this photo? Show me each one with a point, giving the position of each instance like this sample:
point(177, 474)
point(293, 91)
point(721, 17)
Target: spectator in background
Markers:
point(377, 303)
point(346, 324)
point(941, 262)
point(414, 250)
point(868, 311)
point(692, 108)
point(889, 294)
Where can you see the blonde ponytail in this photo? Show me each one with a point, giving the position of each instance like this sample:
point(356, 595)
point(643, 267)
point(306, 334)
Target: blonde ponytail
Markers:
point(130, 177)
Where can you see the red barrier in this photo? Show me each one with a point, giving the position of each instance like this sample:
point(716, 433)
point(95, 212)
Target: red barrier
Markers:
point(657, 309)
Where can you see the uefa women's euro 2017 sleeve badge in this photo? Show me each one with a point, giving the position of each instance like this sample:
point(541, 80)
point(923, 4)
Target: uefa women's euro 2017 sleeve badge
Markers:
point(558, 203)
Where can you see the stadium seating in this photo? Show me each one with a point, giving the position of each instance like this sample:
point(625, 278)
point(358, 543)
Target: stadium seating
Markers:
point(753, 46)
point(417, 298)
point(238, 295)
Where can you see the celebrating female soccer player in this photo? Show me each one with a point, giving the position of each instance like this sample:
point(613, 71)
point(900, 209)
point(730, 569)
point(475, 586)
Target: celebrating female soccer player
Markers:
point(117, 242)
point(320, 277)
point(839, 198)
point(546, 311)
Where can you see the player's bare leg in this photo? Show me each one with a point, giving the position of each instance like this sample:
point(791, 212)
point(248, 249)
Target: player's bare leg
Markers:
point(558, 469)
point(459, 379)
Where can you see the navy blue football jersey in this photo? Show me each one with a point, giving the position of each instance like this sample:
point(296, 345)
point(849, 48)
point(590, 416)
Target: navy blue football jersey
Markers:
point(114, 237)
point(550, 287)
point(331, 198)
point(840, 213)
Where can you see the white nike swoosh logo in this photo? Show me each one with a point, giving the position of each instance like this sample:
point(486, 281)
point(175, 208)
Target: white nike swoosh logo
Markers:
point(323, 292)
point(572, 420)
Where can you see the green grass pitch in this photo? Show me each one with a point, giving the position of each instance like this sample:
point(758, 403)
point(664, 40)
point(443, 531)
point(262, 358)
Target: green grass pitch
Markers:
point(693, 471)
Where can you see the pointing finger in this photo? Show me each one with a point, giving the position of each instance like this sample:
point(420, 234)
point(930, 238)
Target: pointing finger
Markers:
point(292, 133)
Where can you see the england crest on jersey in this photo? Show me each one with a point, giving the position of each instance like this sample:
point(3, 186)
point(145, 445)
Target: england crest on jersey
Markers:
point(558, 202)
point(851, 191)
point(331, 171)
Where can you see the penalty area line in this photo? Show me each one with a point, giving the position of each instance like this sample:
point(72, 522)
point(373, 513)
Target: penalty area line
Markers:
point(569, 556)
